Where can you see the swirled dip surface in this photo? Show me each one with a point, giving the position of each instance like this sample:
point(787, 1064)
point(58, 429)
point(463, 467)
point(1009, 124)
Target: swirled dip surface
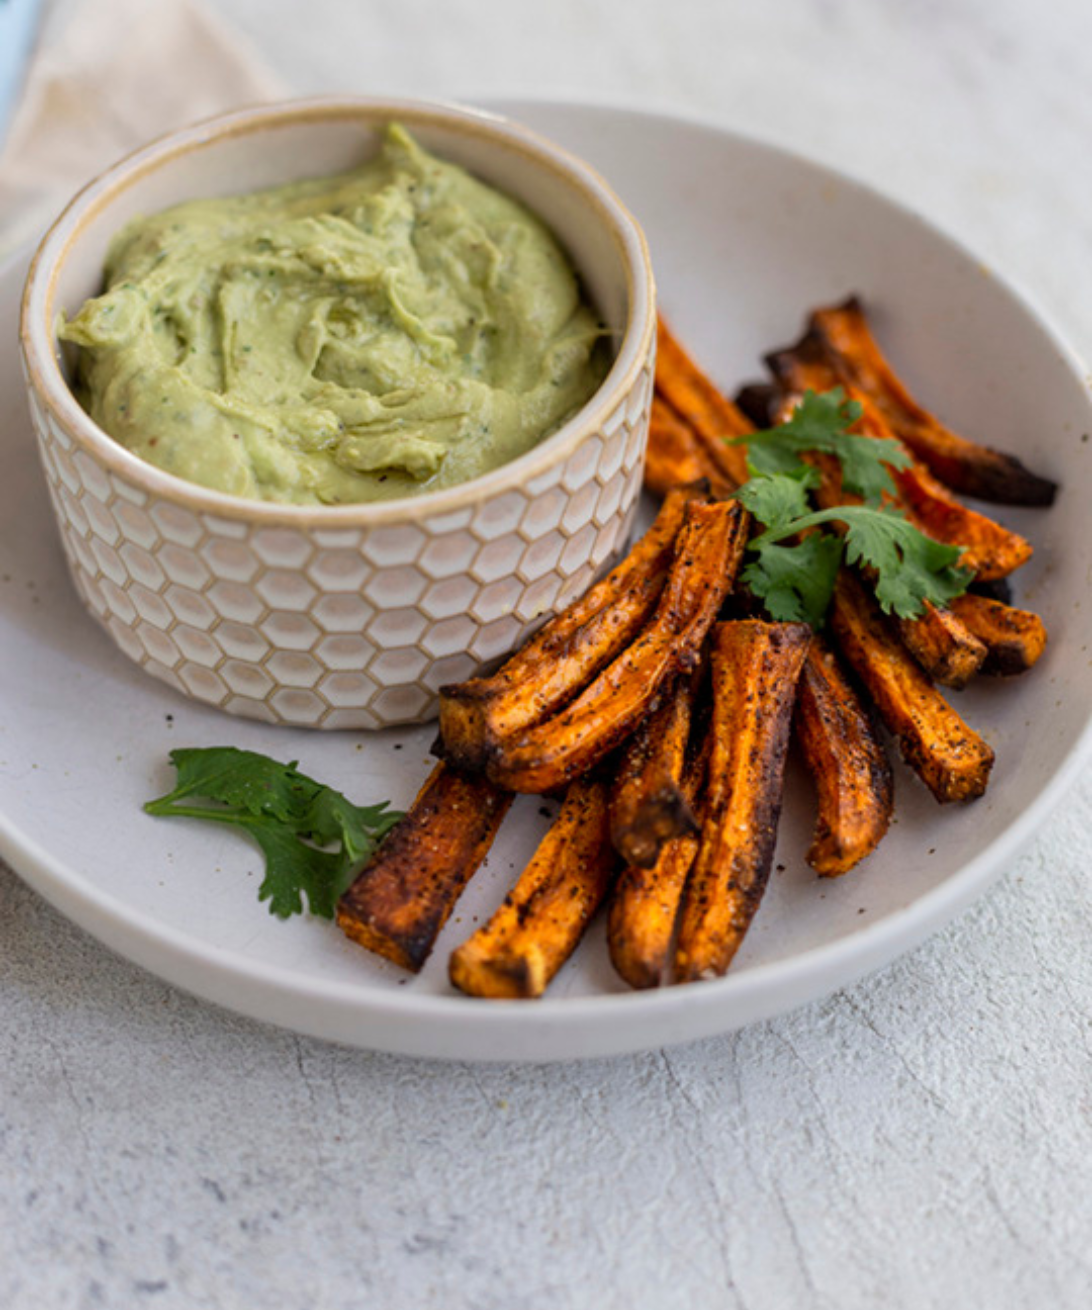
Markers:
point(389, 331)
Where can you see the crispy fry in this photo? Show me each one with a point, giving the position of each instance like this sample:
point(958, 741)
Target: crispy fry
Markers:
point(543, 917)
point(847, 761)
point(402, 898)
point(1014, 638)
point(989, 549)
point(755, 670)
point(948, 652)
point(950, 758)
point(674, 455)
point(945, 647)
point(711, 415)
point(963, 465)
point(644, 903)
point(553, 753)
point(567, 653)
point(647, 805)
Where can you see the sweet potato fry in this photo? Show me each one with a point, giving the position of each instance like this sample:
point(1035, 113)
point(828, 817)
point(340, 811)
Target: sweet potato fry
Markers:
point(847, 761)
point(755, 669)
point(554, 752)
point(948, 652)
point(565, 654)
point(963, 465)
point(644, 903)
point(643, 910)
point(402, 898)
point(695, 398)
point(647, 805)
point(1014, 638)
point(543, 917)
point(673, 456)
point(950, 758)
point(989, 549)
point(945, 647)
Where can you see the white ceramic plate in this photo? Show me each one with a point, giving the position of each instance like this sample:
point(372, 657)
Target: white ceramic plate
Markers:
point(745, 238)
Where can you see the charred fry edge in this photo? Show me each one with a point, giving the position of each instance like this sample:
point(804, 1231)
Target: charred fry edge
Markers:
point(401, 900)
point(647, 804)
point(950, 758)
point(543, 917)
point(558, 662)
point(943, 645)
point(855, 792)
point(964, 465)
point(1014, 638)
point(758, 402)
point(551, 754)
point(755, 668)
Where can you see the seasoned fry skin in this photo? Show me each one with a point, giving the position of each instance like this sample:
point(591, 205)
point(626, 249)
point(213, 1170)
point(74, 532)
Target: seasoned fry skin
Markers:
point(943, 645)
point(963, 465)
point(1014, 638)
point(755, 667)
point(950, 758)
point(551, 754)
point(695, 398)
point(647, 804)
point(565, 654)
point(402, 898)
point(853, 783)
point(543, 917)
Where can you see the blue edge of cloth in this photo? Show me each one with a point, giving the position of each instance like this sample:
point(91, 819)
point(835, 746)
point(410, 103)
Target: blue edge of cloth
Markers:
point(18, 24)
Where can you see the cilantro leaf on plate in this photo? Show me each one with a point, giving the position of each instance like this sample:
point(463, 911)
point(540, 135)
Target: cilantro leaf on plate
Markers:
point(313, 838)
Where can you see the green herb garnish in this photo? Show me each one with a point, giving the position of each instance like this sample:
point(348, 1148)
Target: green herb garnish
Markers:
point(314, 840)
point(795, 580)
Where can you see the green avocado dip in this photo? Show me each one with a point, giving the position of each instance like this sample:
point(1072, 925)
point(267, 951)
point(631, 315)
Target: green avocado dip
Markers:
point(382, 333)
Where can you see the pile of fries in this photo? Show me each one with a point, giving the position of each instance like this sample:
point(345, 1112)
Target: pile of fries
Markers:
point(660, 708)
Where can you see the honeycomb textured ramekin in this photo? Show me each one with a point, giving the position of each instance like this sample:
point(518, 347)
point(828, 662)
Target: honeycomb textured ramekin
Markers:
point(348, 616)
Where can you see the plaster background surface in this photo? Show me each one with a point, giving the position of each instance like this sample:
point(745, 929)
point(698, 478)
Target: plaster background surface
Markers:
point(923, 1139)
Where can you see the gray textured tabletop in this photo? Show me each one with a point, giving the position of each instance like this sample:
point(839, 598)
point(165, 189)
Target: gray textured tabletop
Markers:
point(923, 1139)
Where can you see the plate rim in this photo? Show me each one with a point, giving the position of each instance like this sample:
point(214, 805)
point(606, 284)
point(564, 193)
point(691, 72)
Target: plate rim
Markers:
point(762, 989)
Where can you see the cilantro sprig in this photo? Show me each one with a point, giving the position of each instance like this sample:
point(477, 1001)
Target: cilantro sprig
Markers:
point(795, 580)
point(821, 423)
point(314, 840)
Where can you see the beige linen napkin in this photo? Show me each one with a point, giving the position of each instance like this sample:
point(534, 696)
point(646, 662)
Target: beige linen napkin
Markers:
point(110, 75)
